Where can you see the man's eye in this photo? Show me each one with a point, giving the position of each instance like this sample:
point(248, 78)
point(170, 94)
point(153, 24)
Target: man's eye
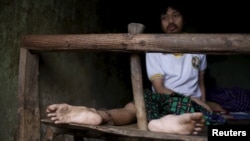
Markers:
point(164, 17)
point(176, 15)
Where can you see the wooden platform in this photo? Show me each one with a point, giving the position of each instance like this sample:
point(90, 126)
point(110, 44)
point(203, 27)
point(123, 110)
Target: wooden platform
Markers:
point(123, 132)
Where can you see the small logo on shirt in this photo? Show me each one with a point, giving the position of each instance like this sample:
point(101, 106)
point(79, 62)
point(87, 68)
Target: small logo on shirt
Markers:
point(196, 62)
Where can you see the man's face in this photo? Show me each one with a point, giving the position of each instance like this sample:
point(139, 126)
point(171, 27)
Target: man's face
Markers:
point(172, 21)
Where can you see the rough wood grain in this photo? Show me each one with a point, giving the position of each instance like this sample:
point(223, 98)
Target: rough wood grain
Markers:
point(28, 102)
point(136, 77)
point(130, 131)
point(188, 43)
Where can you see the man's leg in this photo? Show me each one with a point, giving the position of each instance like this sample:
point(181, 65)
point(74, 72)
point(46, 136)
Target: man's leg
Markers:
point(64, 113)
point(188, 123)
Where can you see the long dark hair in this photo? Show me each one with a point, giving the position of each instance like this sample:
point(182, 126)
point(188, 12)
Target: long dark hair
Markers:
point(179, 5)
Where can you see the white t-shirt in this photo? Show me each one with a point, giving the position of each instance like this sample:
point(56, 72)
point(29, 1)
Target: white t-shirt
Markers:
point(180, 73)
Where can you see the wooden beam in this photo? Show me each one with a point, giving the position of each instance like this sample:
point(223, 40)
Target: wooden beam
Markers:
point(28, 101)
point(182, 43)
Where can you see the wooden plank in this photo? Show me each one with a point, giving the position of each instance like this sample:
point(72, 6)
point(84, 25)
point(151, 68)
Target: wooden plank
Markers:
point(129, 131)
point(186, 43)
point(28, 102)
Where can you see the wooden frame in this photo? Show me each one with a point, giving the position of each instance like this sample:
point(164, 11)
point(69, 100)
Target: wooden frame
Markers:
point(31, 45)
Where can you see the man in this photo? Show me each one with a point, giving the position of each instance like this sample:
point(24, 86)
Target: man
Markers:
point(187, 122)
point(177, 73)
point(177, 79)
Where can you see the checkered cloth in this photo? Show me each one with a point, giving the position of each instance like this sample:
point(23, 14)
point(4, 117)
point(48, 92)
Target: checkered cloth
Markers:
point(159, 105)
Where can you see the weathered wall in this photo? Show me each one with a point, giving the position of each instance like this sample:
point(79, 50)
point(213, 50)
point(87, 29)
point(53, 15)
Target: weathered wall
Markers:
point(77, 78)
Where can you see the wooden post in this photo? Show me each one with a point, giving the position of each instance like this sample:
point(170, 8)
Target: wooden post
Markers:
point(28, 101)
point(136, 77)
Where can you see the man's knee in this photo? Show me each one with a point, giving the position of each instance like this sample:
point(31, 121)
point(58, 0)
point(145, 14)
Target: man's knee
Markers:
point(130, 106)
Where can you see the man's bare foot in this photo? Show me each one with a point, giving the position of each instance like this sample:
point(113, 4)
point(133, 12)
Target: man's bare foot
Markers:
point(64, 113)
point(188, 123)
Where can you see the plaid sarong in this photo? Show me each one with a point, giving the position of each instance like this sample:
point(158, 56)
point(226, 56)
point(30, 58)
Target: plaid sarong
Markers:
point(159, 105)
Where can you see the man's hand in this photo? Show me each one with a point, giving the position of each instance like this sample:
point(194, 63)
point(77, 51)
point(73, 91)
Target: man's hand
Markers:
point(200, 102)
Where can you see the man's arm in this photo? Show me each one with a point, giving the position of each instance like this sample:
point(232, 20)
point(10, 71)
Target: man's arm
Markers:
point(159, 86)
point(202, 86)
